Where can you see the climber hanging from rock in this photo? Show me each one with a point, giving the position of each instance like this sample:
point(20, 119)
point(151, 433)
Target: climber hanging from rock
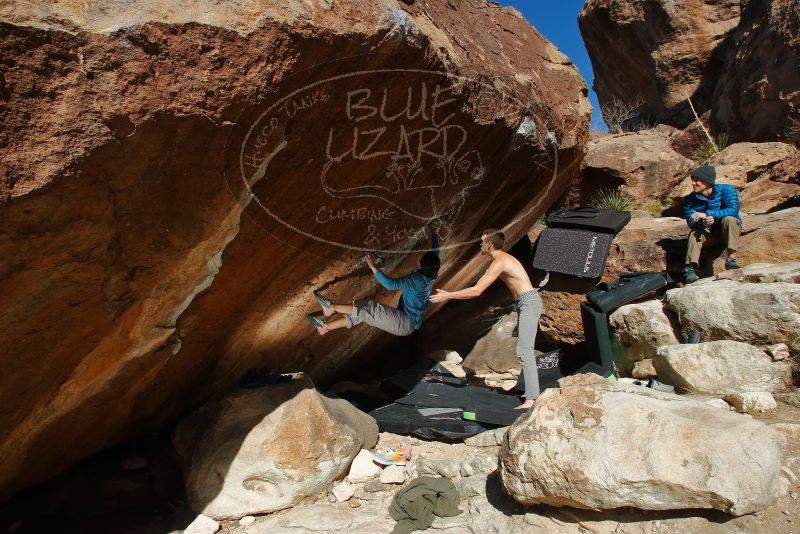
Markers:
point(403, 320)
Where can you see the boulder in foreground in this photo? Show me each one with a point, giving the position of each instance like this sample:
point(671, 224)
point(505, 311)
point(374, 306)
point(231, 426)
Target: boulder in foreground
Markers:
point(600, 445)
point(258, 451)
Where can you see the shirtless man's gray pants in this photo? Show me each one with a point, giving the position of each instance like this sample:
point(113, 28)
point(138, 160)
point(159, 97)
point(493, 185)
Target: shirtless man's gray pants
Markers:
point(529, 309)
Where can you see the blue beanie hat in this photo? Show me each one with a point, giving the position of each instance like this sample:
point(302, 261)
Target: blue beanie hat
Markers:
point(706, 173)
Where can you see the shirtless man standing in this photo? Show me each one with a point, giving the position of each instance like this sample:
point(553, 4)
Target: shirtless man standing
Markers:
point(528, 302)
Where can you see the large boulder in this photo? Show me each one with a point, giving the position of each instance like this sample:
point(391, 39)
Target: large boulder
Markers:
point(496, 351)
point(642, 328)
point(758, 90)
point(648, 244)
point(721, 368)
point(777, 188)
point(173, 182)
point(759, 314)
point(748, 166)
point(257, 451)
point(600, 445)
point(642, 165)
point(657, 54)
point(764, 272)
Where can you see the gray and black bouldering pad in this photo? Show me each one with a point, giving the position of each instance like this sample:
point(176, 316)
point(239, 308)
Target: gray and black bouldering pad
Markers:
point(587, 218)
point(420, 372)
point(494, 417)
point(578, 253)
point(630, 286)
point(468, 398)
point(598, 337)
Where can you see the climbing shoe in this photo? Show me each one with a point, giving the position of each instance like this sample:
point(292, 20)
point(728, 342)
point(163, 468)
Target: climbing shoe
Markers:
point(325, 303)
point(316, 323)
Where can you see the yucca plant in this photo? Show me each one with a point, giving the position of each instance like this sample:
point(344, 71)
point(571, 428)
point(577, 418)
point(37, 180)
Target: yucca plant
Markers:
point(708, 149)
point(611, 199)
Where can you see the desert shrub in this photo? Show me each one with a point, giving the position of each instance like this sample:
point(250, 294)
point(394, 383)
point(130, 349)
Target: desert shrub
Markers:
point(707, 150)
point(611, 199)
point(618, 115)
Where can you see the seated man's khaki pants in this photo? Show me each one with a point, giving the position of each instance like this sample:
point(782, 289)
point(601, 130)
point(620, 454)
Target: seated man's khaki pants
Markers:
point(727, 233)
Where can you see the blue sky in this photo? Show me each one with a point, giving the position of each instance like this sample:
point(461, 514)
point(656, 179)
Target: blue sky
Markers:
point(558, 21)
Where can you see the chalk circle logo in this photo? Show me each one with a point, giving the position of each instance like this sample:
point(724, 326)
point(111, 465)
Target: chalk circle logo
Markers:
point(372, 160)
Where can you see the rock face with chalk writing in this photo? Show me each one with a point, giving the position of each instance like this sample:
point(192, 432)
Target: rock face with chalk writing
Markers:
point(175, 182)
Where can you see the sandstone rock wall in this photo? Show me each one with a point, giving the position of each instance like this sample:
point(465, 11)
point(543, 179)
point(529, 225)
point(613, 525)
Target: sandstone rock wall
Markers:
point(758, 91)
point(739, 61)
point(657, 52)
point(174, 182)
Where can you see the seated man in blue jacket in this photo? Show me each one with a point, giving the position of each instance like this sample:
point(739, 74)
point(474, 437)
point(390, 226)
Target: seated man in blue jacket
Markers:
point(712, 212)
point(403, 320)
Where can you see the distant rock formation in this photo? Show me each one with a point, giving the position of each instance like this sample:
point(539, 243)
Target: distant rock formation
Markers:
point(757, 95)
point(656, 53)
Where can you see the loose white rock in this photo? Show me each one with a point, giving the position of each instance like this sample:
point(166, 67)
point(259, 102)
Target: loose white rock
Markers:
point(759, 314)
point(202, 524)
point(393, 474)
point(778, 351)
point(247, 520)
point(445, 356)
point(262, 450)
point(642, 328)
point(764, 272)
point(752, 401)
point(363, 468)
point(343, 491)
point(490, 438)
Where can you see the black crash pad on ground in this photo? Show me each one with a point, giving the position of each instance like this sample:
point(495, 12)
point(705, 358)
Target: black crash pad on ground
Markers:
point(407, 419)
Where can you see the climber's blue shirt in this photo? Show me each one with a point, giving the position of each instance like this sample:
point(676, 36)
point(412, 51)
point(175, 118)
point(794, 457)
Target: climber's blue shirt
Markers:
point(416, 289)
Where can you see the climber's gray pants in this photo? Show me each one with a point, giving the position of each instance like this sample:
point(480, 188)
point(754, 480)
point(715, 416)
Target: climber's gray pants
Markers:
point(381, 316)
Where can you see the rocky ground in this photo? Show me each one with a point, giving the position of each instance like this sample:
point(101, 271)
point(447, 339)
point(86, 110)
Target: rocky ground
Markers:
point(488, 509)
point(101, 496)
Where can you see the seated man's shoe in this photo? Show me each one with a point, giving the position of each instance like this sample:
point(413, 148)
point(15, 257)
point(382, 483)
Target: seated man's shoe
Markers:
point(731, 264)
point(689, 275)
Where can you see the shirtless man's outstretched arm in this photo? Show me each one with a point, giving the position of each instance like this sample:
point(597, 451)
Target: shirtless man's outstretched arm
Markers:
point(529, 304)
